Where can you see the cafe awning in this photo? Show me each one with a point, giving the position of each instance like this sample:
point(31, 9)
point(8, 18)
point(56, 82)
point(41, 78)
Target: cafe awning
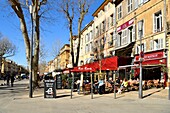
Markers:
point(105, 64)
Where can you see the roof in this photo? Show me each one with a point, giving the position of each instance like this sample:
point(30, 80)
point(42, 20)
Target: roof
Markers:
point(101, 7)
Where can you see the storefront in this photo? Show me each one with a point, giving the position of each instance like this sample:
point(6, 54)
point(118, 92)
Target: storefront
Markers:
point(153, 66)
point(104, 67)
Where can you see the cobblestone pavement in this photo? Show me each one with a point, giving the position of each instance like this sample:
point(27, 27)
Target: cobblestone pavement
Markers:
point(155, 101)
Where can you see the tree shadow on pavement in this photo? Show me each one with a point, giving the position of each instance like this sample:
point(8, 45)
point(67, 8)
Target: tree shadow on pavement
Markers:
point(152, 93)
point(61, 96)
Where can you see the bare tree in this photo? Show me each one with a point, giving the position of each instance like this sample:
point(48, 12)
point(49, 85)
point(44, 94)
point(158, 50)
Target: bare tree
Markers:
point(74, 10)
point(56, 46)
point(42, 67)
point(21, 9)
point(7, 49)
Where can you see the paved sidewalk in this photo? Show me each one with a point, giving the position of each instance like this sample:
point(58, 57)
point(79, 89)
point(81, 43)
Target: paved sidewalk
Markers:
point(155, 101)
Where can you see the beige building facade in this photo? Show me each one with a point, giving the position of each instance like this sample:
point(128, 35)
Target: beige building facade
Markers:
point(128, 28)
point(61, 61)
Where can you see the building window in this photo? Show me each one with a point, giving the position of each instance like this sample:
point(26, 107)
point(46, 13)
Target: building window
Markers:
point(90, 47)
point(119, 37)
point(102, 43)
point(129, 5)
point(91, 37)
point(119, 13)
point(111, 39)
point(112, 20)
point(86, 51)
point(136, 4)
point(151, 45)
point(138, 48)
point(158, 44)
point(140, 29)
point(108, 23)
point(158, 21)
point(97, 31)
point(124, 37)
point(103, 26)
point(145, 1)
point(130, 32)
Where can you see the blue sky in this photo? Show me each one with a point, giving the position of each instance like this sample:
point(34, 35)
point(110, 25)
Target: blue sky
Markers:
point(9, 27)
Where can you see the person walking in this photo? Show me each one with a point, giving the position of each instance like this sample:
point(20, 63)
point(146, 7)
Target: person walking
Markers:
point(8, 77)
point(12, 79)
point(78, 86)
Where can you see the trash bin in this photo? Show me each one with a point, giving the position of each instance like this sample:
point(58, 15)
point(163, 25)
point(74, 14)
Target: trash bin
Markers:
point(49, 89)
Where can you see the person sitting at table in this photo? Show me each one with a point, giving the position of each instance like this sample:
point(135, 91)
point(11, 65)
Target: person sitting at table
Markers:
point(124, 85)
point(117, 80)
point(101, 86)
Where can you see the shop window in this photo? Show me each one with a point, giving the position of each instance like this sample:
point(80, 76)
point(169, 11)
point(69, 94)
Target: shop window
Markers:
point(158, 21)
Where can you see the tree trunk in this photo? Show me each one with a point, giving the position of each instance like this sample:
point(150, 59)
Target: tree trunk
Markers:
point(71, 41)
point(36, 20)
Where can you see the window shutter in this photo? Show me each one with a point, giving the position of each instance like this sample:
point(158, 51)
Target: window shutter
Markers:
point(161, 22)
point(136, 4)
point(133, 33)
point(160, 43)
point(125, 37)
point(128, 36)
point(114, 38)
point(136, 50)
point(144, 49)
point(151, 45)
point(155, 26)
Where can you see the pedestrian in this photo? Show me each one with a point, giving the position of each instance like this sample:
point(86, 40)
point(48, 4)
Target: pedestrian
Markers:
point(78, 86)
point(8, 77)
point(12, 79)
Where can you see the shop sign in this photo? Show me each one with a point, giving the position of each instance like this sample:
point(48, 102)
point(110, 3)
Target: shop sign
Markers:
point(151, 56)
point(125, 25)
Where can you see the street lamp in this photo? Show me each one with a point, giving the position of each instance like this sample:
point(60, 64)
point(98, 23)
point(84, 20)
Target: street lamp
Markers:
point(31, 52)
point(140, 60)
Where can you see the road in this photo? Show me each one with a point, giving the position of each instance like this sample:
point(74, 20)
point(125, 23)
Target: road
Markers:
point(15, 100)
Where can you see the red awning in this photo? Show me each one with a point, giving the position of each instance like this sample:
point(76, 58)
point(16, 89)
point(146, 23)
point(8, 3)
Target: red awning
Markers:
point(111, 63)
point(83, 68)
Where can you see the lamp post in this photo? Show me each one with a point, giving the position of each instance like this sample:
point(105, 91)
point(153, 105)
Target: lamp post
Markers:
point(72, 85)
point(140, 60)
point(31, 52)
